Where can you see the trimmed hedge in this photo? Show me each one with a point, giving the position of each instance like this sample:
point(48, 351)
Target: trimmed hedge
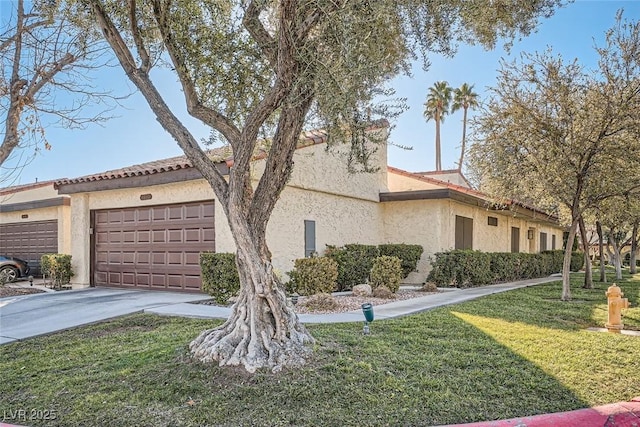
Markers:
point(466, 268)
point(409, 255)
point(356, 260)
point(58, 268)
point(316, 275)
point(386, 271)
point(219, 276)
point(354, 263)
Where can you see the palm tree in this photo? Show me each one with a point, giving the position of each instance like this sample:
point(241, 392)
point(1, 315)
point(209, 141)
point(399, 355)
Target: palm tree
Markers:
point(436, 107)
point(464, 97)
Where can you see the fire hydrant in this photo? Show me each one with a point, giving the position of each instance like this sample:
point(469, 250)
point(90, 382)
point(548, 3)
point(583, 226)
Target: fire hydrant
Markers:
point(616, 305)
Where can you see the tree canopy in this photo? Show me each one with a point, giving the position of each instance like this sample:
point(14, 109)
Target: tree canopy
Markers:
point(561, 135)
point(44, 67)
point(251, 68)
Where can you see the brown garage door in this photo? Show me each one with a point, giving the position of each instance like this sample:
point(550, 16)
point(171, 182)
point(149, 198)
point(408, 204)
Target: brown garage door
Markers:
point(29, 241)
point(155, 247)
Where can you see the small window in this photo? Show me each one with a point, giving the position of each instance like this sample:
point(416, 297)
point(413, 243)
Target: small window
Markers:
point(553, 242)
point(543, 242)
point(492, 220)
point(309, 238)
point(515, 239)
point(464, 233)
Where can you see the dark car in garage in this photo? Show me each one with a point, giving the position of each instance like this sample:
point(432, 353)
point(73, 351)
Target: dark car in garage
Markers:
point(12, 269)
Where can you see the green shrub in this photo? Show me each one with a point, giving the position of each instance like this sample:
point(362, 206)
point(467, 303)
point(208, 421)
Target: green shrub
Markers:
point(473, 268)
point(461, 268)
point(354, 263)
point(219, 276)
point(409, 255)
point(386, 271)
point(577, 261)
point(58, 268)
point(313, 275)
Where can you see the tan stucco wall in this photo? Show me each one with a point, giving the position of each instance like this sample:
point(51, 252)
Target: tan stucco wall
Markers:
point(60, 213)
point(30, 195)
point(398, 182)
point(420, 222)
point(431, 223)
point(343, 205)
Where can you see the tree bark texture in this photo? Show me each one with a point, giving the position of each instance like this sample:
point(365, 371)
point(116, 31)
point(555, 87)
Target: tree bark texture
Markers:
point(464, 138)
point(262, 330)
point(633, 268)
point(616, 258)
point(566, 264)
point(603, 271)
point(588, 275)
point(438, 148)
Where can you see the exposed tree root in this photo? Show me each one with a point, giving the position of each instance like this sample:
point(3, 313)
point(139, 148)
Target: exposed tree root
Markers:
point(261, 332)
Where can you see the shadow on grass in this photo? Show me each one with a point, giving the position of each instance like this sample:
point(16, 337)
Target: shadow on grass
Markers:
point(541, 306)
point(435, 368)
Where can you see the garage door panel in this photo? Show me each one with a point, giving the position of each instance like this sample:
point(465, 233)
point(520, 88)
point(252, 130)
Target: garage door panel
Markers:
point(29, 241)
point(192, 258)
point(159, 236)
point(208, 235)
point(154, 247)
point(128, 279)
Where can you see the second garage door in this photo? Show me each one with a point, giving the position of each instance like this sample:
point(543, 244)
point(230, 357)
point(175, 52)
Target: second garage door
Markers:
point(29, 241)
point(155, 247)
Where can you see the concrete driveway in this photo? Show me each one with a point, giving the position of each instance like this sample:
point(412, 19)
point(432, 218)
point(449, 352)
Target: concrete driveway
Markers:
point(31, 315)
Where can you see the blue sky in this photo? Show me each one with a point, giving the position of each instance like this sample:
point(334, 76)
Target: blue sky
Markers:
point(134, 136)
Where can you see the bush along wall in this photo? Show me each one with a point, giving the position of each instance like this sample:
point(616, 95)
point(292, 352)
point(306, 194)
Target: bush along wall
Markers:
point(409, 255)
point(219, 276)
point(57, 267)
point(355, 260)
point(466, 268)
point(313, 276)
point(386, 271)
point(354, 263)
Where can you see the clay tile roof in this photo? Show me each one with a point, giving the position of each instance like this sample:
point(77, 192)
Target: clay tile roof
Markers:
point(466, 190)
point(148, 168)
point(25, 187)
point(220, 154)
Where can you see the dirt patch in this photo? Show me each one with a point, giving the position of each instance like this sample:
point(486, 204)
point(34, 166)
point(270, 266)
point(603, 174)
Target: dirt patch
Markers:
point(13, 292)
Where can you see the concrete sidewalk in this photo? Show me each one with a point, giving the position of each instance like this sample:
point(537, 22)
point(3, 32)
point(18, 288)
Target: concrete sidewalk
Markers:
point(385, 311)
point(28, 316)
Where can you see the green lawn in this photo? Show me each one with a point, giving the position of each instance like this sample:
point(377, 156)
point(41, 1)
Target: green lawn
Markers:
point(513, 354)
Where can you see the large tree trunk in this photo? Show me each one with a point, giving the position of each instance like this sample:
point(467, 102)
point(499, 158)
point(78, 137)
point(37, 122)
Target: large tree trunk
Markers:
point(263, 331)
point(634, 249)
point(438, 152)
point(464, 139)
point(603, 271)
point(566, 265)
point(616, 258)
point(588, 275)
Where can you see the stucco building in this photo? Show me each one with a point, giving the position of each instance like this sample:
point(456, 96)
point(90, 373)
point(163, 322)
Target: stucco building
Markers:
point(34, 220)
point(144, 226)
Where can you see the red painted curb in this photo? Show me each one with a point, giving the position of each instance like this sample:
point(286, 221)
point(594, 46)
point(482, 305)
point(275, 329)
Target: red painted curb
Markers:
point(622, 414)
